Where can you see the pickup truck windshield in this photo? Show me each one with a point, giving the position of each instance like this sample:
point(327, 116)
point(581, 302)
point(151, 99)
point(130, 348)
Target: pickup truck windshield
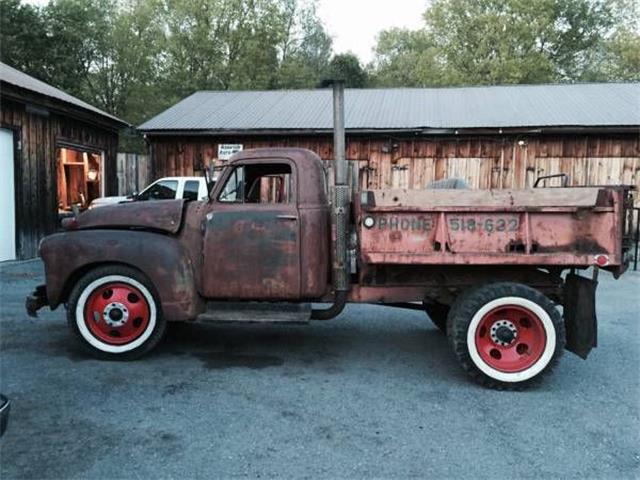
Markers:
point(191, 189)
point(162, 190)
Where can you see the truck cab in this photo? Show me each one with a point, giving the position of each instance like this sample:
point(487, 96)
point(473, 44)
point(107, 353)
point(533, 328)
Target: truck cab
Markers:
point(266, 228)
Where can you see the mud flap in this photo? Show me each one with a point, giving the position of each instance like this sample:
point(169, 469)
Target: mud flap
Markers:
point(580, 314)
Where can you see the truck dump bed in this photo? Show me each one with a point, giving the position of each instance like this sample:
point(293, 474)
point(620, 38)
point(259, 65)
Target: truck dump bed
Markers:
point(570, 227)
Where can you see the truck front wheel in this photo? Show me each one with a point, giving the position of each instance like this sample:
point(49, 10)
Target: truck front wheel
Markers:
point(506, 335)
point(115, 314)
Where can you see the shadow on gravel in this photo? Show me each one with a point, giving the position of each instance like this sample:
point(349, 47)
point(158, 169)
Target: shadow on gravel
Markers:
point(219, 360)
point(329, 346)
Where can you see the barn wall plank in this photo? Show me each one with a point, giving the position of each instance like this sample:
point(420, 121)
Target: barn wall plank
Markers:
point(507, 161)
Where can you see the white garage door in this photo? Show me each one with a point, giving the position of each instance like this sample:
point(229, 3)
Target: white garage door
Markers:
point(7, 198)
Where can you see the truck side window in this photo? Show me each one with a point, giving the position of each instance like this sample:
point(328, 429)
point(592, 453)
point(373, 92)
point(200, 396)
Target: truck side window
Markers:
point(163, 190)
point(262, 183)
point(191, 189)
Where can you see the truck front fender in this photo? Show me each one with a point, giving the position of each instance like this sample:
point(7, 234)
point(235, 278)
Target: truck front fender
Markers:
point(67, 256)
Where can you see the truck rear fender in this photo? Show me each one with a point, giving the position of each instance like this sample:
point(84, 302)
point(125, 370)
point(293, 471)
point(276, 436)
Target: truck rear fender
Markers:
point(68, 256)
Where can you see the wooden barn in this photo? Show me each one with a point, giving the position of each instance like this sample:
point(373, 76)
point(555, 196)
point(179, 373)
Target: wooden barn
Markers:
point(493, 137)
point(56, 151)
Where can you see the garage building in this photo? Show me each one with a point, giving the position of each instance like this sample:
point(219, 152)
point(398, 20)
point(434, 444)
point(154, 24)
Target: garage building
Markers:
point(493, 137)
point(56, 151)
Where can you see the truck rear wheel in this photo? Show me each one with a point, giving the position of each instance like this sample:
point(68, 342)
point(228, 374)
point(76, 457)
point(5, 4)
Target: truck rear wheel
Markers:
point(506, 335)
point(437, 312)
point(115, 314)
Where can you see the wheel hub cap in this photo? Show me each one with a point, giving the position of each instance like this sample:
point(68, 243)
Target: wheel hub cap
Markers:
point(117, 313)
point(503, 332)
point(510, 338)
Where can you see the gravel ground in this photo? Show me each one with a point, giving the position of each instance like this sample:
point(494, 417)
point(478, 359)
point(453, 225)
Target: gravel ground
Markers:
point(375, 393)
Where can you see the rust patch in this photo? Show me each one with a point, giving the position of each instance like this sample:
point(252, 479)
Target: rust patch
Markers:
point(581, 245)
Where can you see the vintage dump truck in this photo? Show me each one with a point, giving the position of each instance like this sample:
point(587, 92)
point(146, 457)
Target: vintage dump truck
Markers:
point(489, 267)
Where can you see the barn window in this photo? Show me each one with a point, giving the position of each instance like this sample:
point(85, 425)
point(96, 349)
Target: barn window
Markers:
point(80, 178)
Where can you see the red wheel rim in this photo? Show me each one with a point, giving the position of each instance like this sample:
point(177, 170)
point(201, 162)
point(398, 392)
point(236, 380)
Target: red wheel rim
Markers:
point(510, 338)
point(116, 313)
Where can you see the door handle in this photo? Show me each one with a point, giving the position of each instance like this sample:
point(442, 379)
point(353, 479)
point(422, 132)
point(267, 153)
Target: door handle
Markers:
point(287, 217)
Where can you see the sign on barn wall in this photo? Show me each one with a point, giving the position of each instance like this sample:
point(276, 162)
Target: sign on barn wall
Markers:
point(225, 150)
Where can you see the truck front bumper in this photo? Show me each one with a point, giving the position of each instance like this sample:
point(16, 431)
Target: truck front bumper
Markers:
point(36, 300)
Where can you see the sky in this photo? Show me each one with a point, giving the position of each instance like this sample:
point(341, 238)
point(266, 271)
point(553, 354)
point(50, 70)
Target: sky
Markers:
point(354, 24)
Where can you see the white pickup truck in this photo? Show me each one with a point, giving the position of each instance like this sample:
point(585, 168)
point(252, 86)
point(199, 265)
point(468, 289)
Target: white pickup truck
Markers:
point(191, 188)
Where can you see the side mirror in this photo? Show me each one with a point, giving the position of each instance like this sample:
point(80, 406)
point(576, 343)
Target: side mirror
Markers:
point(133, 196)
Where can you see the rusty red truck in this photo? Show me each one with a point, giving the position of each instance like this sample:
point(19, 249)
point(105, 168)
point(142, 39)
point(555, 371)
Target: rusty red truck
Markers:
point(274, 238)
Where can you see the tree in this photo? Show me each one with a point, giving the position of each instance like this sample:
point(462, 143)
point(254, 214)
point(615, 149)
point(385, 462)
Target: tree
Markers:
point(22, 37)
point(244, 44)
point(77, 34)
point(306, 47)
point(346, 66)
point(126, 70)
point(134, 58)
point(406, 58)
point(491, 41)
point(223, 44)
point(506, 41)
point(618, 58)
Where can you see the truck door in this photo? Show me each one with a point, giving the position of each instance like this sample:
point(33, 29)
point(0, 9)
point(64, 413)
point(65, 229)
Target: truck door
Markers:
point(252, 234)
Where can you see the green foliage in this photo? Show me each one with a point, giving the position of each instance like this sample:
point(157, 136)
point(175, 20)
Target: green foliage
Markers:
point(346, 66)
point(134, 58)
point(126, 69)
point(305, 50)
point(622, 57)
point(407, 58)
point(221, 44)
point(78, 34)
point(510, 41)
point(22, 26)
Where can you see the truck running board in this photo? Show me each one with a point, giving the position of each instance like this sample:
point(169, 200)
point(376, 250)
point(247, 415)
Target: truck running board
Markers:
point(256, 312)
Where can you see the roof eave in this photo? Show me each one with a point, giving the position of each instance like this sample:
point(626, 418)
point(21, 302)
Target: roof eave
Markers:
point(417, 131)
point(61, 107)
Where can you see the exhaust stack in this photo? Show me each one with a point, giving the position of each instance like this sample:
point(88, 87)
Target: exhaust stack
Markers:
point(340, 214)
point(339, 134)
point(340, 198)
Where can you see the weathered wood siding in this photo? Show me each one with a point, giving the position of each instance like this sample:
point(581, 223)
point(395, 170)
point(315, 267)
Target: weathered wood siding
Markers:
point(133, 173)
point(38, 136)
point(508, 161)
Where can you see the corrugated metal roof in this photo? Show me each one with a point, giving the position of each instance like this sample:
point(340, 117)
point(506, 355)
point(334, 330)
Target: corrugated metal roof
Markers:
point(595, 104)
point(19, 79)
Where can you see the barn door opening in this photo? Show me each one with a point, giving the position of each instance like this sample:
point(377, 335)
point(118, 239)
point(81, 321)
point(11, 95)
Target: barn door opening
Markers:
point(80, 177)
point(7, 197)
